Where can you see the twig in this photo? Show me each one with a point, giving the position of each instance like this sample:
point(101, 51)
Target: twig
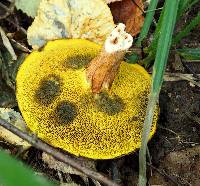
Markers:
point(20, 46)
point(37, 143)
point(169, 130)
point(180, 76)
point(164, 174)
point(154, 10)
point(8, 10)
point(161, 172)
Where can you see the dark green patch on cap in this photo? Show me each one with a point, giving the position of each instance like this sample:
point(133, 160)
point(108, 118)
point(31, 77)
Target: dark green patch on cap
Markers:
point(78, 61)
point(48, 90)
point(65, 112)
point(109, 105)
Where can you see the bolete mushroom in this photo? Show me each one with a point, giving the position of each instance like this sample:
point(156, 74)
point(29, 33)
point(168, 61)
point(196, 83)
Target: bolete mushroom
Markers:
point(81, 97)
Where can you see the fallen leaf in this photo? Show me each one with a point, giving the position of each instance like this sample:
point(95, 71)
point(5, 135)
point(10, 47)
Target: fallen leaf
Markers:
point(7, 44)
point(15, 119)
point(111, 1)
point(27, 6)
point(84, 19)
point(7, 95)
point(129, 13)
point(67, 169)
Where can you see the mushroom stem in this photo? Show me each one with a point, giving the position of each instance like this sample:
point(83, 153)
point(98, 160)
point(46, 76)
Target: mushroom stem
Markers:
point(103, 69)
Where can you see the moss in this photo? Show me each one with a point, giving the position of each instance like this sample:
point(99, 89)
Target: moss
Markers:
point(75, 120)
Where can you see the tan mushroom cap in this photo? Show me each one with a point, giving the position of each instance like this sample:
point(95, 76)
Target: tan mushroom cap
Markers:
point(57, 104)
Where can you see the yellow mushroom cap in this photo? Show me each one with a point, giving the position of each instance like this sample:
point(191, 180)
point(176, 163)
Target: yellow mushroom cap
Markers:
point(57, 104)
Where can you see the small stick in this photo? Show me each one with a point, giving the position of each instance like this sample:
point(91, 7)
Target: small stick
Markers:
point(164, 174)
point(39, 144)
point(180, 76)
point(8, 10)
point(20, 46)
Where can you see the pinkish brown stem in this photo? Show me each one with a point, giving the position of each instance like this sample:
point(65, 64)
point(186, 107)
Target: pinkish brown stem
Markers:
point(103, 69)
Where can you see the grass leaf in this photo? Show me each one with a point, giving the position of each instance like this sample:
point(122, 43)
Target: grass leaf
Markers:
point(15, 173)
point(156, 34)
point(164, 42)
point(184, 5)
point(189, 53)
point(147, 21)
point(187, 29)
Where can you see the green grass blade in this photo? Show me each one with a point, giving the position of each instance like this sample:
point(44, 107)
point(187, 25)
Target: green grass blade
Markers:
point(184, 5)
point(147, 21)
point(156, 34)
point(187, 29)
point(189, 53)
point(164, 42)
point(13, 173)
point(145, 133)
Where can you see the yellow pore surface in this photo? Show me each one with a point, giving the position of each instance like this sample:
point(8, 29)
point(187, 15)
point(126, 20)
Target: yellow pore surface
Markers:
point(57, 104)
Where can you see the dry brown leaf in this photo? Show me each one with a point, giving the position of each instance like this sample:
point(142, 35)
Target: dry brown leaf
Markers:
point(130, 14)
point(67, 169)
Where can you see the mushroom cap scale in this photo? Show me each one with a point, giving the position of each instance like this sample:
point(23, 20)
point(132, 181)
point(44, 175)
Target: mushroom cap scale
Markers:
point(57, 103)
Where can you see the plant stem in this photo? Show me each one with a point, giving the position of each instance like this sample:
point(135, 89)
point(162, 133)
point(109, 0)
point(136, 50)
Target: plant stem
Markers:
point(184, 5)
point(164, 42)
point(187, 29)
point(147, 21)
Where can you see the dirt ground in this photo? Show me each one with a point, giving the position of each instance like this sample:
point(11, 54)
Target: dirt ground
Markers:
point(175, 148)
